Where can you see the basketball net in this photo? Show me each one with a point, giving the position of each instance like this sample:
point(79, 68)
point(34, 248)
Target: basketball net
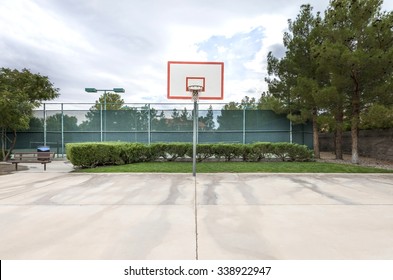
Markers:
point(195, 95)
point(194, 90)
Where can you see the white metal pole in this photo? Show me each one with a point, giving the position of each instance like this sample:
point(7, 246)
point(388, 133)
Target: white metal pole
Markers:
point(101, 121)
point(244, 125)
point(44, 124)
point(149, 126)
point(105, 115)
point(194, 142)
point(62, 130)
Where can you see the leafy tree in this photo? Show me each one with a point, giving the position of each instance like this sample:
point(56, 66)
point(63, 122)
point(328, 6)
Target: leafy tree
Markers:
point(232, 106)
point(230, 119)
point(182, 120)
point(160, 123)
point(231, 115)
point(20, 93)
point(174, 122)
point(70, 123)
point(377, 116)
point(175, 114)
point(295, 81)
point(125, 119)
point(207, 122)
point(113, 101)
point(337, 65)
point(105, 104)
point(36, 124)
point(184, 115)
point(358, 54)
point(144, 117)
point(248, 103)
point(268, 102)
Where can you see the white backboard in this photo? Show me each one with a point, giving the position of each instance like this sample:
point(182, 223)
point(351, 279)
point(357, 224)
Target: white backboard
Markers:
point(209, 75)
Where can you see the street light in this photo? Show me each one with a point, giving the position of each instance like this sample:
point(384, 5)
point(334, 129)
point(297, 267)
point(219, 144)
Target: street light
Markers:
point(93, 90)
point(119, 90)
point(90, 90)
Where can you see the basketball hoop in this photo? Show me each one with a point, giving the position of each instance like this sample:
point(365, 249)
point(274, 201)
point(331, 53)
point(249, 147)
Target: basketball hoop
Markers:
point(195, 90)
point(196, 80)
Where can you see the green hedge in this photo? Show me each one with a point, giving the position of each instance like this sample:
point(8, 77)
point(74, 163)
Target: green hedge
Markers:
point(97, 154)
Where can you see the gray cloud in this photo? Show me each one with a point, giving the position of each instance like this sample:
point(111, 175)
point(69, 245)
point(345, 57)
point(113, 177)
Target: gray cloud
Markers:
point(127, 43)
point(235, 51)
point(278, 50)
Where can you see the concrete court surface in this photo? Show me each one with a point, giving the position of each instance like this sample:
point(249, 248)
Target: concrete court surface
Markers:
point(61, 215)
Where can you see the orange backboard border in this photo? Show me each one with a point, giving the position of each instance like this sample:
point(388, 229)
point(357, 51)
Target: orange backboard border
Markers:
point(169, 96)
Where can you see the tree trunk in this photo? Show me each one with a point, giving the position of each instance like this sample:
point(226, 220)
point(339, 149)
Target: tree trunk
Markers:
point(339, 117)
point(354, 136)
point(355, 130)
point(355, 120)
point(315, 134)
point(3, 143)
point(8, 154)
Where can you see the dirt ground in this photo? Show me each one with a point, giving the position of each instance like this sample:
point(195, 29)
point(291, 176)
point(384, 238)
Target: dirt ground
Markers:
point(363, 161)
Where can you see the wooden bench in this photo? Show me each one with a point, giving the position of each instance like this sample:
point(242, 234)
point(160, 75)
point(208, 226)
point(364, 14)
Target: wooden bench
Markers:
point(32, 157)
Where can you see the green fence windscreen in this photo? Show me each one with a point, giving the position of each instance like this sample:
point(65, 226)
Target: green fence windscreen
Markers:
point(158, 123)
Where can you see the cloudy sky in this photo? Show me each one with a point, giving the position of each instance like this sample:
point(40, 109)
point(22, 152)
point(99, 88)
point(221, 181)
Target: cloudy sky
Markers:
point(127, 43)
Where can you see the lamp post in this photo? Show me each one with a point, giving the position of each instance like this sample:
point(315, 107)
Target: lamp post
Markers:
point(94, 90)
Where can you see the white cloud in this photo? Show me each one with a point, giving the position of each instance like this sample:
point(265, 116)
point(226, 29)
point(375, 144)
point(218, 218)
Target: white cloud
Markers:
point(127, 43)
point(31, 25)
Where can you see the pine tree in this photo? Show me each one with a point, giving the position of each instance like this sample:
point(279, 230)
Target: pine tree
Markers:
point(357, 53)
point(294, 79)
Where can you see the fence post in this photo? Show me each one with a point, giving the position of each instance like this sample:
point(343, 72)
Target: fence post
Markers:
point(44, 124)
point(148, 125)
point(62, 130)
point(101, 121)
point(244, 125)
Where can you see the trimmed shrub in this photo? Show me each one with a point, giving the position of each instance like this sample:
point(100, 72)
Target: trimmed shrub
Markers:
point(227, 151)
point(280, 150)
point(96, 154)
point(300, 153)
point(170, 151)
point(204, 151)
point(177, 150)
point(261, 150)
point(158, 150)
point(134, 152)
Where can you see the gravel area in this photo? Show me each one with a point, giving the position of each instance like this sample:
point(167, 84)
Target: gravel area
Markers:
point(363, 161)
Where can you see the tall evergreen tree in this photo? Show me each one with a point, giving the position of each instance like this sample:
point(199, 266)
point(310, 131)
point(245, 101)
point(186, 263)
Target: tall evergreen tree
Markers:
point(207, 122)
point(294, 78)
point(358, 54)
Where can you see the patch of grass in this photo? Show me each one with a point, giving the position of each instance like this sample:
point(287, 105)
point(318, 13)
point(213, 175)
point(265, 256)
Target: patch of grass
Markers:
point(236, 167)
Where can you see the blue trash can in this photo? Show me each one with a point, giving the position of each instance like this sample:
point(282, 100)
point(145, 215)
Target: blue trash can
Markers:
point(43, 149)
point(43, 153)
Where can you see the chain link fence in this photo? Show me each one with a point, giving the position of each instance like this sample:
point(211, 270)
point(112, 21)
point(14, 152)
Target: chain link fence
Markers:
point(55, 125)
